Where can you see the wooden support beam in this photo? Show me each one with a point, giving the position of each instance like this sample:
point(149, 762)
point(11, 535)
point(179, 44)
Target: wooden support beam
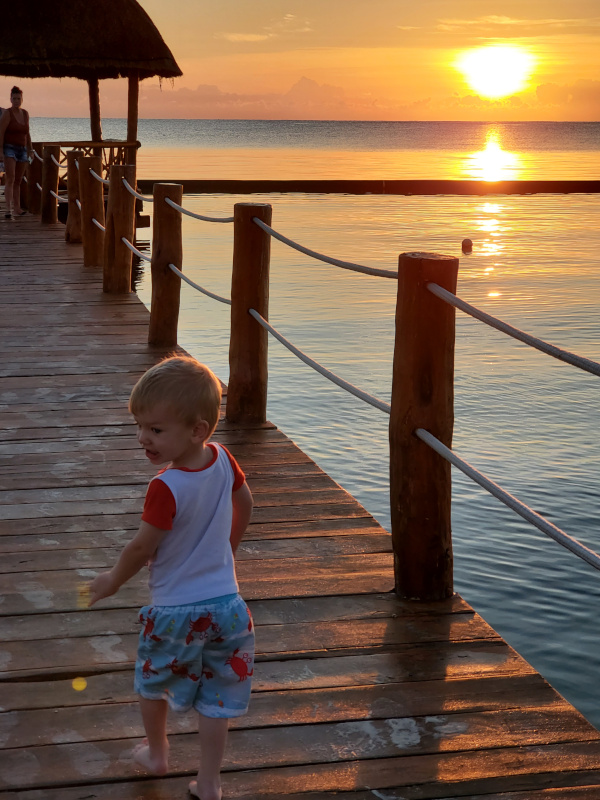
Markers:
point(167, 248)
point(248, 347)
point(119, 224)
point(95, 119)
point(422, 397)
point(133, 94)
point(91, 192)
point(50, 183)
point(34, 176)
point(73, 226)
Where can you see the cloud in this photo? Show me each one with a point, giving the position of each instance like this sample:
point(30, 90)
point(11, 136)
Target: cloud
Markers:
point(578, 97)
point(515, 26)
point(243, 37)
point(288, 25)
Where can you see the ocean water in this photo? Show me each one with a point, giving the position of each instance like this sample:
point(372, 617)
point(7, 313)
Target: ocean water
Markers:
point(529, 422)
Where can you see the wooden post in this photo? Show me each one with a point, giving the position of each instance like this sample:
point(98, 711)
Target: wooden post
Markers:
point(73, 226)
point(91, 192)
point(167, 249)
point(119, 222)
point(50, 184)
point(422, 397)
point(248, 346)
point(34, 176)
point(95, 120)
point(133, 94)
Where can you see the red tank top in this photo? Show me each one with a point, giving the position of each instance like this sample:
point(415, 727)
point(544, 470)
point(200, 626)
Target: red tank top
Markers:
point(16, 132)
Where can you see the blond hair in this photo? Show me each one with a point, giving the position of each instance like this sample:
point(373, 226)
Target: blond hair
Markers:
point(188, 388)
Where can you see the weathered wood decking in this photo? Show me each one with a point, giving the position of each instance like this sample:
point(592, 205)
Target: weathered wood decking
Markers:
point(355, 692)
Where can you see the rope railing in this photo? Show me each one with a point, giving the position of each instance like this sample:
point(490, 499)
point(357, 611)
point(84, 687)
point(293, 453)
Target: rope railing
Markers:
point(58, 197)
point(98, 224)
point(331, 376)
point(132, 191)
point(133, 249)
point(556, 352)
point(379, 273)
point(184, 277)
point(38, 186)
point(78, 203)
point(509, 500)
point(55, 161)
point(98, 178)
point(37, 155)
point(183, 210)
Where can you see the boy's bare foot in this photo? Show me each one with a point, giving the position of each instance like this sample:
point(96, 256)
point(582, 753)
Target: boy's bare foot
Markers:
point(158, 764)
point(208, 792)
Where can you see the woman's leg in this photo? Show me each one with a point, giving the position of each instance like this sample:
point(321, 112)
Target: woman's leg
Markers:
point(9, 182)
point(20, 167)
point(153, 752)
point(213, 738)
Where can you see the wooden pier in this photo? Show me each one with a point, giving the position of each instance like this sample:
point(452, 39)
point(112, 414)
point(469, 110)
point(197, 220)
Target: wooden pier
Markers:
point(356, 693)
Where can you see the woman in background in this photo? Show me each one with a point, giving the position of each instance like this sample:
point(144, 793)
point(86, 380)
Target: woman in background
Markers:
point(15, 145)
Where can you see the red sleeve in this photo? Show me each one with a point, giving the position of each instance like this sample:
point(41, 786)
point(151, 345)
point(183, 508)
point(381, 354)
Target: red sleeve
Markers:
point(159, 506)
point(238, 476)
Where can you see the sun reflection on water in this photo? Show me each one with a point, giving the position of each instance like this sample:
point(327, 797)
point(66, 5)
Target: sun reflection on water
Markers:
point(493, 163)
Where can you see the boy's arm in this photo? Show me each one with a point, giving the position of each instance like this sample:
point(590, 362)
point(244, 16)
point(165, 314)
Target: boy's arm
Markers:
point(242, 511)
point(134, 556)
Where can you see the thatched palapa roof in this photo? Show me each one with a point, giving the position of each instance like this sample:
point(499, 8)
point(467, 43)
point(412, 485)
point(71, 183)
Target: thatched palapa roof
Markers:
point(86, 39)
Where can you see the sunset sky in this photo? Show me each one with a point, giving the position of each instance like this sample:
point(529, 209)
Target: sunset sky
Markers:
point(352, 59)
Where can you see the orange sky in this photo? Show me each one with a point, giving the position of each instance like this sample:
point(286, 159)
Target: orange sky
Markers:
point(352, 59)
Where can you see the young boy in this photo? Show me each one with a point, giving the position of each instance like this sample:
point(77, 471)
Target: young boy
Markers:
point(196, 647)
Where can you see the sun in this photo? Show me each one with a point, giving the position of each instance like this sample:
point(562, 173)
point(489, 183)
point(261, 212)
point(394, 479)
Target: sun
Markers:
point(496, 70)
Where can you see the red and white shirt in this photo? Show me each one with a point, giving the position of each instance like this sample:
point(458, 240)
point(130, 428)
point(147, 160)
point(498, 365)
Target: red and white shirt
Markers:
point(194, 561)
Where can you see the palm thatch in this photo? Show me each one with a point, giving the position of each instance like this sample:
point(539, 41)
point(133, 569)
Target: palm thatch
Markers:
point(87, 39)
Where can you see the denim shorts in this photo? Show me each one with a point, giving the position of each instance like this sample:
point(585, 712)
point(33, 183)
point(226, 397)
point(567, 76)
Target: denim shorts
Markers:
point(198, 656)
point(16, 151)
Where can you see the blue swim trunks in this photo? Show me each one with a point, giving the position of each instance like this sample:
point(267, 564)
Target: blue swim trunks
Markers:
point(198, 656)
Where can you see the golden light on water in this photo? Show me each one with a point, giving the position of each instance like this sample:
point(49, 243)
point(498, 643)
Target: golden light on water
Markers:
point(496, 71)
point(493, 163)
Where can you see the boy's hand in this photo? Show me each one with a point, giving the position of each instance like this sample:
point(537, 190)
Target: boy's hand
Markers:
point(102, 586)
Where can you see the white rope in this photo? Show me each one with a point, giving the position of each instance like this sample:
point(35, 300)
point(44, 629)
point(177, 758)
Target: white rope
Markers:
point(516, 505)
point(58, 197)
point(55, 161)
point(556, 352)
point(78, 203)
point(183, 210)
point(132, 191)
point(380, 273)
point(368, 398)
point(39, 187)
point(77, 163)
point(98, 178)
point(199, 288)
point(98, 224)
point(134, 249)
point(36, 154)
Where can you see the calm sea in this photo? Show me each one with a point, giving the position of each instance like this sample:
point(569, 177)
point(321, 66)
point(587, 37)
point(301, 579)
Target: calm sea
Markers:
point(527, 421)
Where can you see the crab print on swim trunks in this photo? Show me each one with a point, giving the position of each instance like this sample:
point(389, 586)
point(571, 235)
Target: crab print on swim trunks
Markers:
point(197, 656)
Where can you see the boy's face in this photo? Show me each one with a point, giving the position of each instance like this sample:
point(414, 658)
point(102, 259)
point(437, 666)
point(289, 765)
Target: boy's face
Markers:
point(166, 439)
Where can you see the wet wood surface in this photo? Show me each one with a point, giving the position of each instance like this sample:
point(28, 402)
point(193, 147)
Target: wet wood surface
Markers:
point(356, 693)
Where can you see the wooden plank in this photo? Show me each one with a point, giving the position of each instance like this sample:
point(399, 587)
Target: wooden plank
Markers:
point(328, 745)
point(37, 627)
point(317, 639)
point(89, 722)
